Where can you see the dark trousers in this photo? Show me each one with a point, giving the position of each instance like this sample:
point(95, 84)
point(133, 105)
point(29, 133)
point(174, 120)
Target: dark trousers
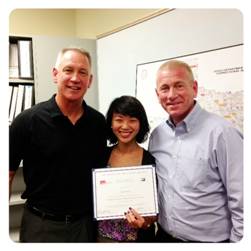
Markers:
point(38, 229)
point(162, 236)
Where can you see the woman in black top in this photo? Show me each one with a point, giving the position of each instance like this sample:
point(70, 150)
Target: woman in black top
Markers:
point(127, 127)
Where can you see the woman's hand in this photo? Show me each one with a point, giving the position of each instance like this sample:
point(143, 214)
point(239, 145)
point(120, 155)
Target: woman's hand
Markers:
point(138, 221)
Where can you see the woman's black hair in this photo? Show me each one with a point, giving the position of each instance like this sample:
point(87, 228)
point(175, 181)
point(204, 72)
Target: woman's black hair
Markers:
point(128, 106)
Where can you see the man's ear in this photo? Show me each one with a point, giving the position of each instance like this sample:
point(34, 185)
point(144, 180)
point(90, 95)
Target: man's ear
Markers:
point(90, 81)
point(195, 88)
point(156, 91)
point(54, 75)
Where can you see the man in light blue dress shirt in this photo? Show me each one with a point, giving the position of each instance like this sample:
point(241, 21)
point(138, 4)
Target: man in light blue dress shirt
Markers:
point(199, 164)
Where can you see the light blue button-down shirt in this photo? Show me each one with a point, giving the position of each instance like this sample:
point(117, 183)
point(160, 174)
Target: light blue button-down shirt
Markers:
point(199, 165)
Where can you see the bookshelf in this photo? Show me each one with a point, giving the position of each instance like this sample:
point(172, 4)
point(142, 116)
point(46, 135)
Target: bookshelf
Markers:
point(21, 97)
point(21, 75)
point(16, 205)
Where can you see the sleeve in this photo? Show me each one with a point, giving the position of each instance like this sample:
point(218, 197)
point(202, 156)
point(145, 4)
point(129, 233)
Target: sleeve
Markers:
point(18, 136)
point(102, 138)
point(229, 154)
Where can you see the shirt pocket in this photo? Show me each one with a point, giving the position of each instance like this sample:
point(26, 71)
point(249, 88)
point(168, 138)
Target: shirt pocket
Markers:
point(193, 173)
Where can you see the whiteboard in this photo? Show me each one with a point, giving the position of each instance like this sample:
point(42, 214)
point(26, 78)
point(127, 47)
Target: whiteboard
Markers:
point(219, 74)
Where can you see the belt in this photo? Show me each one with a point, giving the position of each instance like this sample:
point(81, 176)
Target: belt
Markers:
point(163, 236)
point(53, 217)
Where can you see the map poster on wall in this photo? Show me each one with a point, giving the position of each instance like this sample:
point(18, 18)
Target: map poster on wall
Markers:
point(219, 74)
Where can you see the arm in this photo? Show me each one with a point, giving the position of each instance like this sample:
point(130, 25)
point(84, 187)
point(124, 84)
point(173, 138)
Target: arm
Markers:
point(11, 177)
point(230, 163)
point(18, 137)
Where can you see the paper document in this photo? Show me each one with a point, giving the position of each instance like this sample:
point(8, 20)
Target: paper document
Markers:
point(117, 189)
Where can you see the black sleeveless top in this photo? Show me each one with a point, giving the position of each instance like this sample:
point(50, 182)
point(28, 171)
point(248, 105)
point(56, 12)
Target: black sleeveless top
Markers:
point(148, 159)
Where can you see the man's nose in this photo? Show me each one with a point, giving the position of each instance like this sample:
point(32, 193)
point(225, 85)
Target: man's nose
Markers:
point(75, 76)
point(172, 93)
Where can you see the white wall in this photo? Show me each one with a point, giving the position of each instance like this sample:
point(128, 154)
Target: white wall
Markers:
point(176, 33)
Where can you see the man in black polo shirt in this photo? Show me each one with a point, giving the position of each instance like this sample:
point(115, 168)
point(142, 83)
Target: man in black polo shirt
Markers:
point(59, 141)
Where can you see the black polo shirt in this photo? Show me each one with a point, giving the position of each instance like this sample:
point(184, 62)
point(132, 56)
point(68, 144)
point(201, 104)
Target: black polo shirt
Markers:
point(58, 156)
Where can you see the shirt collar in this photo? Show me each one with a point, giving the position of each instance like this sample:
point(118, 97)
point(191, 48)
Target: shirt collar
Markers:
point(190, 120)
point(55, 110)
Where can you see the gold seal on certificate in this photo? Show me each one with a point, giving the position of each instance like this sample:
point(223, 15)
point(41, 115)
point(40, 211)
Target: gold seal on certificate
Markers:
point(117, 189)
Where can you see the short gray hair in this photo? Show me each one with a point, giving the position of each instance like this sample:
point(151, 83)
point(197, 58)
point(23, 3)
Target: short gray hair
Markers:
point(72, 48)
point(177, 63)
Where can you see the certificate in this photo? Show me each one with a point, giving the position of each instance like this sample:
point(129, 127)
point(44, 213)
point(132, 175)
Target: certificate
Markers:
point(116, 189)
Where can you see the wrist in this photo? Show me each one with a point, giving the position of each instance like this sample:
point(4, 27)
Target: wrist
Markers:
point(146, 225)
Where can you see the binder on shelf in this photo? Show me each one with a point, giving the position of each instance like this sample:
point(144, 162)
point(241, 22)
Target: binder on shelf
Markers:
point(13, 61)
point(25, 59)
point(13, 103)
point(20, 99)
point(10, 96)
point(28, 96)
